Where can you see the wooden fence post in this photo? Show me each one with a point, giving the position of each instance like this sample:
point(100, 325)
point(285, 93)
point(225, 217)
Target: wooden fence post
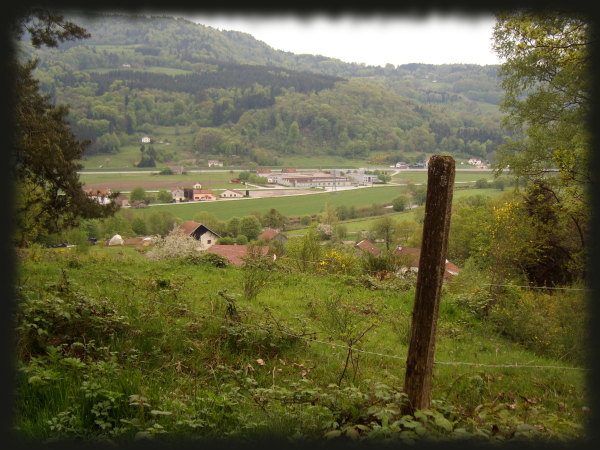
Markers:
point(438, 208)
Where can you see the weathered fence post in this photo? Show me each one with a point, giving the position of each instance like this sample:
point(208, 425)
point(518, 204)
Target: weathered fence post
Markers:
point(438, 207)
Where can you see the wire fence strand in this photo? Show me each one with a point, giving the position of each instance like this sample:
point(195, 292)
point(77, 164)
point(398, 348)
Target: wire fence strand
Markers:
point(243, 252)
point(357, 350)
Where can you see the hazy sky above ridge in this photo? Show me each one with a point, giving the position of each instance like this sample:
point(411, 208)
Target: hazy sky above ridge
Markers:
point(373, 40)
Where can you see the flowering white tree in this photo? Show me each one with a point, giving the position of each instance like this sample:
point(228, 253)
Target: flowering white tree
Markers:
point(325, 230)
point(176, 244)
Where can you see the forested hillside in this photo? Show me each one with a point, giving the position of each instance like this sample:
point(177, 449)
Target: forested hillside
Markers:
point(238, 96)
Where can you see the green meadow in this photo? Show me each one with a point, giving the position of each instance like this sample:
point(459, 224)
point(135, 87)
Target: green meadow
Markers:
point(366, 223)
point(296, 205)
point(114, 348)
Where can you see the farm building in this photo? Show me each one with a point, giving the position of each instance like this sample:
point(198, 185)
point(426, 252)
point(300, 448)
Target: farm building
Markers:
point(367, 246)
point(271, 234)
point(199, 231)
point(199, 195)
point(231, 193)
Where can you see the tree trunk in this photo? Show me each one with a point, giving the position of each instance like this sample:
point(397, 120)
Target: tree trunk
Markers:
point(438, 207)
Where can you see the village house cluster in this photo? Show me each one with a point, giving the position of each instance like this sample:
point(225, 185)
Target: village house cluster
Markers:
point(333, 178)
point(477, 163)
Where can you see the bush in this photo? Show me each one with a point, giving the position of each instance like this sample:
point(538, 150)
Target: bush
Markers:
point(338, 262)
point(257, 271)
point(139, 226)
point(324, 231)
point(241, 240)
point(61, 315)
point(481, 183)
point(175, 245)
point(78, 237)
point(214, 259)
point(499, 183)
point(305, 220)
point(400, 202)
point(341, 231)
point(547, 323)
point(373, 264)
point(227, 240)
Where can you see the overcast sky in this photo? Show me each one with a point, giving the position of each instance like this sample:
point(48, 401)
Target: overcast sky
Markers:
point(373, 40)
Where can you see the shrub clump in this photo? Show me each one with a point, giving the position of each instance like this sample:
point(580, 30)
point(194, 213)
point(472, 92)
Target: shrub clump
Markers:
point(175, 245)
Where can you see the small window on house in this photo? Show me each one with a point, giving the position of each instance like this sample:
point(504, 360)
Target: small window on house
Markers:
point(209, 241)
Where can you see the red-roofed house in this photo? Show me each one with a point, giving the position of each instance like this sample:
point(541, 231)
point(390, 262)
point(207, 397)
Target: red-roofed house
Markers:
point(410, 258)
point(367, 246)
point(235, 253)
point(199, 231)
point(199, 195)
point(269, 234)
point(102, 196)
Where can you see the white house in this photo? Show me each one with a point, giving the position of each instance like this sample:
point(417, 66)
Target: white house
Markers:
point(199, 231)
point(100, 195)
point(177, 194)
point(231, 193)
point(214, 162)
point(361, 178)
point(145, 140)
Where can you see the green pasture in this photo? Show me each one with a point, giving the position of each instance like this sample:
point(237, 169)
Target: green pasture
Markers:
point(366, 223)
point(123, 160)
point(131, 153)
point(210, 177)
point(461, 176)
point(288, 206)
point(298, 205)
point(439, 86)
point(176, 140)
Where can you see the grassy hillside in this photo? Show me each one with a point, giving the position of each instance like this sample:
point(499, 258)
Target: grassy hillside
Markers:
point(174, 350)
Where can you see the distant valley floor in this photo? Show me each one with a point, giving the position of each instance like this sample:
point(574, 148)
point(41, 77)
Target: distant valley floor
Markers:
point(156, 185)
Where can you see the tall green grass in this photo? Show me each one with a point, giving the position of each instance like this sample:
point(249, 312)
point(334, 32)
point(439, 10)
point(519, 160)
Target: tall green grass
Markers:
point(155, 352)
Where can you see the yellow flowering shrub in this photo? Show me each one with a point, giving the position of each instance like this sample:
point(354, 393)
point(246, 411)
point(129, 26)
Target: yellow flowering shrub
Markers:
point(338, 262)
point(548, 322)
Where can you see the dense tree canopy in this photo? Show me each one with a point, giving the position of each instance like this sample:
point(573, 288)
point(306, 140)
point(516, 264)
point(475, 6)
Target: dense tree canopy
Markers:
point(45, 153)
point(547, 79)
